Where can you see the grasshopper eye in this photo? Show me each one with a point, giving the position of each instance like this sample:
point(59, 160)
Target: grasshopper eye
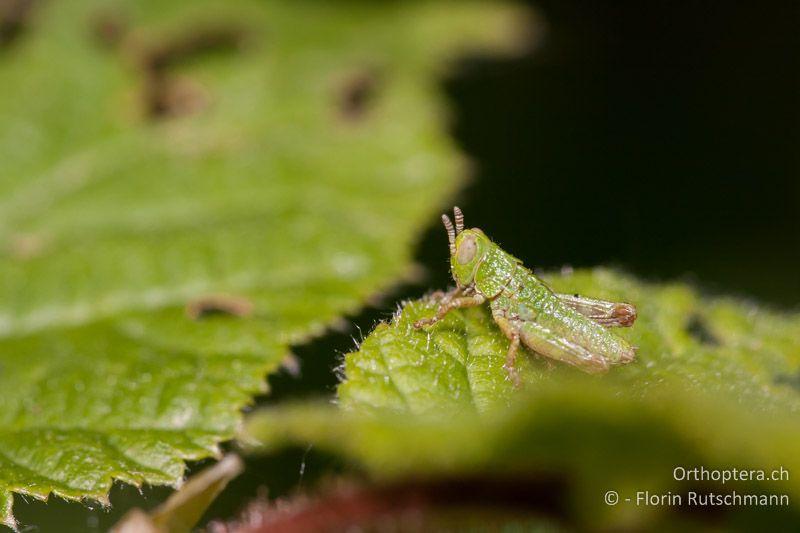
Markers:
point(466, 250)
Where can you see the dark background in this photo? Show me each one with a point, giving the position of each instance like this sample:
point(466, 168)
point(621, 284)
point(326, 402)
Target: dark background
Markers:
point(657, 137)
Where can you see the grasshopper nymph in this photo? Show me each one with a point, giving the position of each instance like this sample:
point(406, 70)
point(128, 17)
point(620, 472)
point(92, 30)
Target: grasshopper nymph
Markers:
point(563, 327)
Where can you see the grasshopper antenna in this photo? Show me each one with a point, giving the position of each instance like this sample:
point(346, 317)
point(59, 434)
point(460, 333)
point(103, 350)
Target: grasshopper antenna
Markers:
point(451, 234)
point(459, 216)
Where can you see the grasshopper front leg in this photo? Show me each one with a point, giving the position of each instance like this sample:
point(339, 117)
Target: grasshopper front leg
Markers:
point(450, 301)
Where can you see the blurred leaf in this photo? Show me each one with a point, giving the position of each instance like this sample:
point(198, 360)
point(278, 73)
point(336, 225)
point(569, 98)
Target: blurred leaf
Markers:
point(183, 509)
point(714, 385)
point(186, 189)
point(583, 432)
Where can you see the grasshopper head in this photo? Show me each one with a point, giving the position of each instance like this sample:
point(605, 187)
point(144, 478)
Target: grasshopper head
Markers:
point(467, 247)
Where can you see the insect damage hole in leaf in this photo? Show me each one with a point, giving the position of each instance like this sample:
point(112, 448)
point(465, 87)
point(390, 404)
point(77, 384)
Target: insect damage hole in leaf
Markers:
point(697, 328)
point(356, 93)
point(103, 375)
point(207, 306)
point(167, 94)
point(108, 27)
point(15, 16)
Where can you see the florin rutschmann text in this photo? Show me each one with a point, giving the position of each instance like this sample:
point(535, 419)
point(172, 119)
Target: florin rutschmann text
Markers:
point(704, 476)
point(646, 498)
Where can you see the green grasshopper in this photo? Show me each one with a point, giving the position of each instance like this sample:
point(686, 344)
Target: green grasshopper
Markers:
point(564, 327)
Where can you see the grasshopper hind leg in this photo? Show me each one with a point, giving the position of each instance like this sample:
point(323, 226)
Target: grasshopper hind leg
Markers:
point(607, 314)
point(545, 343)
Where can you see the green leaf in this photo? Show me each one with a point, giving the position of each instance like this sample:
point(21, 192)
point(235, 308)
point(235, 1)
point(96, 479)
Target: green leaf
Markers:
point(456, 367)
point(716, 345)
point(714, 384)
point(267, 164)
